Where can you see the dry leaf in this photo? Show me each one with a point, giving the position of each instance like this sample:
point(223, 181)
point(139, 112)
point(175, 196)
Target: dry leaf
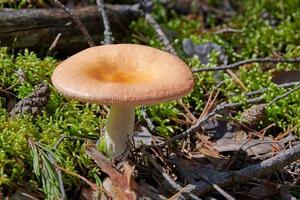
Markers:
point(264, 191)
point(281, 77)
point(118, 185)
point(116, 192)
point(252, 147)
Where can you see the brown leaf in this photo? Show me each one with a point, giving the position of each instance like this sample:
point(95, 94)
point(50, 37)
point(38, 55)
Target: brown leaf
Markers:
point(286, 195)
point(191, 170)
point(281, 77)
point(219, 128)
point(118, 185)
point(128, 171)
point(116, 192)
point(263, 191)
point(210, 153)
point(252, 147)
point(89, 194)
point(22, 193)
point(214, 157)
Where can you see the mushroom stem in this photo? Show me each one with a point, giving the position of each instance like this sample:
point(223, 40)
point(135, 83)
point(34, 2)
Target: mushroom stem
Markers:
point(119, 129)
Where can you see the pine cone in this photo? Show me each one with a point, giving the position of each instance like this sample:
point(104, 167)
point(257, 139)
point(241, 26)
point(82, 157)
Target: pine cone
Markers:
point(254, 115)
point(34, 102)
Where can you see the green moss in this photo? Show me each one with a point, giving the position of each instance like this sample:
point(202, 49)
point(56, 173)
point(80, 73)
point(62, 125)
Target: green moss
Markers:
point(259, 38)
point(61, 117)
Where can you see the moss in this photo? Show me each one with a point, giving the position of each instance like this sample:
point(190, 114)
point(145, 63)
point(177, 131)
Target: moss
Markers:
point(269, 28)
point(61, 116)
point(259, 38)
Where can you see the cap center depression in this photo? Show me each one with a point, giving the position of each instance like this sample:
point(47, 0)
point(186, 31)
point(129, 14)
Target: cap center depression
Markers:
point(118, 75)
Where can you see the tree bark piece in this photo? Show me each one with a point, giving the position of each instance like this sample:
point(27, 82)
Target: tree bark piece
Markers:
point(225, 179)
point(37, 28)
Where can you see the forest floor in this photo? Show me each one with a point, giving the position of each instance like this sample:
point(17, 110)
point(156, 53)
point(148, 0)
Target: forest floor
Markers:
point(235, 136)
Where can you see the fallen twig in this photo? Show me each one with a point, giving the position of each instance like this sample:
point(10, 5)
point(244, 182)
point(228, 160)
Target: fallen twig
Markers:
point(285, 94)
point(167, 45)
point(228, 30)
point(249, 61)
point(92, 185)
point(266, 167)
point(150, 124)
point(175, 186)
point(36, 28)
point(53, 44)
point(218, 188)
point(222, 106)
point(76, 19)
point(107, 33)
point(197, 126)
point(146, 5)
point(262, 90)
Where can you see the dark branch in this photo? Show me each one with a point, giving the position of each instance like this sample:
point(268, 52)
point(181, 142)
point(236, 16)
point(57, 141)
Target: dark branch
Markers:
point(285, 94)
point(76, 19)
point(244, 62)
point(264, 168)
point(174, 186)
point(197, 126)
point(284, 85)
point(160, 33)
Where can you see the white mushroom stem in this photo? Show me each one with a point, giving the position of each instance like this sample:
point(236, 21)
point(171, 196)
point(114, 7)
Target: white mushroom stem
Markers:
point(119, 129)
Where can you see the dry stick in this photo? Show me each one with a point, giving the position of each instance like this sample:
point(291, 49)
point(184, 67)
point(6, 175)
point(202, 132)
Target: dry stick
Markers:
point(54, 43)
point(223, 106)
point(167, 45)
point(285, 94)
point(257, 170)
point(228, 30)
point(244, 62)
point(217, 188)
point(266, 105)
point(197, 126)
point(92, 185)
point(150, 124)
point(284, 85)
point(175, 186)
point(76, 19)
point(107, 33)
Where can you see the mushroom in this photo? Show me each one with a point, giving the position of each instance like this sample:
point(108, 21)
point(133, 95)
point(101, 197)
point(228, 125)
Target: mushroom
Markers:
point(122, 76)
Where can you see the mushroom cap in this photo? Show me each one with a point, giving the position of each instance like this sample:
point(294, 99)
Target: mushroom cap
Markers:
point(123, 74)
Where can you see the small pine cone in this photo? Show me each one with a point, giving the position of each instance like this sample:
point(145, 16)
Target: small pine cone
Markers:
point(254, 115)
point(34, 102)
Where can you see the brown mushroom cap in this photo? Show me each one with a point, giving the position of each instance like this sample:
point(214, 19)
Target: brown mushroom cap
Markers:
point(124, 74)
